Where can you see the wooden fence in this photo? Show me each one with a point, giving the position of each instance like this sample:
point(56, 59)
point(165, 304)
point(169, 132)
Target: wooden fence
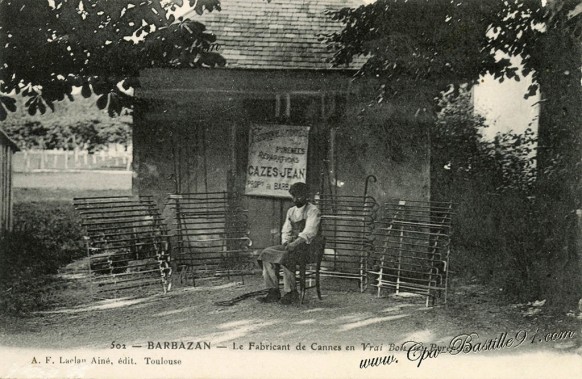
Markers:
point(110, 159)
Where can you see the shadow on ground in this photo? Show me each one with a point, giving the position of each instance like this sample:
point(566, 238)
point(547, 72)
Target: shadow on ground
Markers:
point(345, 317)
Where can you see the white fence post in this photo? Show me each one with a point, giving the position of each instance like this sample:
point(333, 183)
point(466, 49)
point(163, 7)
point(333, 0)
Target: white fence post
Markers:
point(42, 159)
point(31, 160)
point(76, 155)
point(26, 160)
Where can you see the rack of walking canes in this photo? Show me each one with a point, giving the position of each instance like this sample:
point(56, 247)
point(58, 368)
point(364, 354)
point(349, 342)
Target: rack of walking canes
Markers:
point(347, 223)
point(413, 249)
point(210, 236)
point(126, 242)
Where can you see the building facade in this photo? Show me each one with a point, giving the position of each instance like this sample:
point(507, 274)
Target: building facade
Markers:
point(194, 130)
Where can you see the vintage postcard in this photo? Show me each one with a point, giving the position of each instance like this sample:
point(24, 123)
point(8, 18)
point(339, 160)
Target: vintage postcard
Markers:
point(286, 189)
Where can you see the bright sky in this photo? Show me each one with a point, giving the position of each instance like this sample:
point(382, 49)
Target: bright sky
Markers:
point(504, 107)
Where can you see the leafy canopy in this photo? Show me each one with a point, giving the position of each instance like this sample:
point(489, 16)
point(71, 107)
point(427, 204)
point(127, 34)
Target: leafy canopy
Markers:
point(51, 46)
point(77, 124)
point(451, 41)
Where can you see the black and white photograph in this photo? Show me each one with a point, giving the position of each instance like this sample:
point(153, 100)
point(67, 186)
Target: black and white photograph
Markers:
point(290, 189)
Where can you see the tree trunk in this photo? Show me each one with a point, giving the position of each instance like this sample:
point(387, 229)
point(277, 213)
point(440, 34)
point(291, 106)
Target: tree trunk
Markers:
point(560, 164)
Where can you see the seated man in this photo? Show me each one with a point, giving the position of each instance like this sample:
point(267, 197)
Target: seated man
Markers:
point(298, 234)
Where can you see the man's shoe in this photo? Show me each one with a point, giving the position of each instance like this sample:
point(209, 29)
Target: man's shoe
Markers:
point(290, 298)
point(272, 296)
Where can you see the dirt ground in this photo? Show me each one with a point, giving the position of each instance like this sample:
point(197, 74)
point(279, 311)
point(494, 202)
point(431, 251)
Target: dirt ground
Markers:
point(344, 317)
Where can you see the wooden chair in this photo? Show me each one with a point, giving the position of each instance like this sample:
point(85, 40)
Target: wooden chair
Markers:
point(313, 258)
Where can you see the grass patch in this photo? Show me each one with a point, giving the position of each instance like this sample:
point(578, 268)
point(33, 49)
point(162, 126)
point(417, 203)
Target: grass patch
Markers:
point(47, 236)
point(65, 196)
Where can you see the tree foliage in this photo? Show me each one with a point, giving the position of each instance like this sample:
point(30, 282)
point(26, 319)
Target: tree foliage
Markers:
point(451, 42)
point(427, 40)
point(77, 124)
point(491, 182)
point(506, 163)
point(50, 47)
point(92, 134)
point(520, 29)
point(437, 43)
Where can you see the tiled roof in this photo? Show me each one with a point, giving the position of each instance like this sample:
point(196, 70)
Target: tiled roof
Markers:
point(281, 34)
